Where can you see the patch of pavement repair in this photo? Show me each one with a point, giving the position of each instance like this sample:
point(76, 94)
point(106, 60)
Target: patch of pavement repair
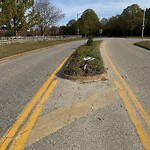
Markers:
point(97, 130)
point(69, 102)
point(84, 116)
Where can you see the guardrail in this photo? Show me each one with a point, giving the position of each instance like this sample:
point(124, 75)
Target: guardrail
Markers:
point(20, 39)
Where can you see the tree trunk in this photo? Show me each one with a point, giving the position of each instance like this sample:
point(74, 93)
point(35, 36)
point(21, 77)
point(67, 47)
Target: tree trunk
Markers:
point(42, 31)
point(15, 33)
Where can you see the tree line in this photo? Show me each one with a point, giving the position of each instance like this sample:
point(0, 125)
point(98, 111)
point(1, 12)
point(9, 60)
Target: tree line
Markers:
point(87, 24)
point(36, 17)
point(22, 17)
point(128, 23)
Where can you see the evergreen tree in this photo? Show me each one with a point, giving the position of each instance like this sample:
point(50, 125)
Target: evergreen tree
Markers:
point(132, 18)
point(89, 22)
point(17, 15)
point(128, 23)
point(71, 27)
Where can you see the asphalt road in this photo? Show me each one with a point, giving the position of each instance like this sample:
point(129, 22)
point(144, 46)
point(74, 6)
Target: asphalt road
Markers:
point(133, 63)
point(106, 123)
point(21, 77)
point(79, 116)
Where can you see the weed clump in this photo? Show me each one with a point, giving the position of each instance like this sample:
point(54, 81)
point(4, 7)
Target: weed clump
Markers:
point(90, 41)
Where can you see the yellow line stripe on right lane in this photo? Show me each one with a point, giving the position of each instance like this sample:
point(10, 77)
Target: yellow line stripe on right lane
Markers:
point(138, 105)
point(140, 130)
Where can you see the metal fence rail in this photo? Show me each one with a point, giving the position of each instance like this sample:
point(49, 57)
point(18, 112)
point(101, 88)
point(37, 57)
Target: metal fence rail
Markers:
point(21, 39)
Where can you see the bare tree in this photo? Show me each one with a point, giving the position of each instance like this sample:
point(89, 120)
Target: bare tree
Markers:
point(50, 15)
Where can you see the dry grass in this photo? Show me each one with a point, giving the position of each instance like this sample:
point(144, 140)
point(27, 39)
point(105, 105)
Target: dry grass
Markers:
point(143, 44)
point(17, 48)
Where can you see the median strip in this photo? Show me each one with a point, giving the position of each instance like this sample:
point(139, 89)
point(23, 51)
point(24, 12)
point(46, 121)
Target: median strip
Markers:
point(9, 135)
point(86, 64)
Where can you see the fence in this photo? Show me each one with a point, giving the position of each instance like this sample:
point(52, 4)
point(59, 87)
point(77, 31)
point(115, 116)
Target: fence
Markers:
point(20, 39)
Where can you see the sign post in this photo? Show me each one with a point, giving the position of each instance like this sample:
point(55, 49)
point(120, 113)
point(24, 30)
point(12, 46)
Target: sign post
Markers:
point(143, 26)
point(100, 32)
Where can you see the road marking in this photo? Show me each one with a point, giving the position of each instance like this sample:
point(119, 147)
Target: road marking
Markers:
point(131, 94)
point(8, 136)
point(27, 129)
point(53, 121)
point(140, 130)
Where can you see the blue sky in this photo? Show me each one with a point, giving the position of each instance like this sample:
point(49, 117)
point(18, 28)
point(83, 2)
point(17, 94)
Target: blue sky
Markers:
point(103, 8)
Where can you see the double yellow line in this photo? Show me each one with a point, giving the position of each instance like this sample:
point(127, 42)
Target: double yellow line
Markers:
point(46, 88)
point(139, 128)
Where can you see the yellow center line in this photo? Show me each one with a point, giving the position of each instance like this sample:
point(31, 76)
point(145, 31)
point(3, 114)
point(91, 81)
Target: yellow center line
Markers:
point(8, 136)
point(55, 120)
point(20, 141)
point(140, 130)
point(131, 94)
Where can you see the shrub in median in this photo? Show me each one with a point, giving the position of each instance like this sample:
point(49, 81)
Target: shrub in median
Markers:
point(90, 41)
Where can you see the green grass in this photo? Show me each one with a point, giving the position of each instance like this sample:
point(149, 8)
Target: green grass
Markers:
point(143, 44)
point(17, 48)
point(76, 66)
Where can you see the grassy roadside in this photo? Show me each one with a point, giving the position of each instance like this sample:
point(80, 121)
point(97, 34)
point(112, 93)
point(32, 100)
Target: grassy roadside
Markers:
point(78, 66)
point(7, 50)
point(143, 44)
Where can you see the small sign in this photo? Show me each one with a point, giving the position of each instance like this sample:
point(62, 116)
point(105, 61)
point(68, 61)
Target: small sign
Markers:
point(100, 31)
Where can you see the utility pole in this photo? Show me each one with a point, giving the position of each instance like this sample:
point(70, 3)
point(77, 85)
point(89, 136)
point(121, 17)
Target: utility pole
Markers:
point(77, 25)
point(143, 26)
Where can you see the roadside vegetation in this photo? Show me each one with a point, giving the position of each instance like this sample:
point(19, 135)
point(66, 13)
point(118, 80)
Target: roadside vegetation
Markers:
point(118, 26)
point(143, 44)
point(25, 17)
point(7, 50)
point(86, 61)
point(36, 17)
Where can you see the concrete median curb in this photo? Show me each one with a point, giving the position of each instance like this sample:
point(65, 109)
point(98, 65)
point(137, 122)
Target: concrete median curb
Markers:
point(85, 79)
